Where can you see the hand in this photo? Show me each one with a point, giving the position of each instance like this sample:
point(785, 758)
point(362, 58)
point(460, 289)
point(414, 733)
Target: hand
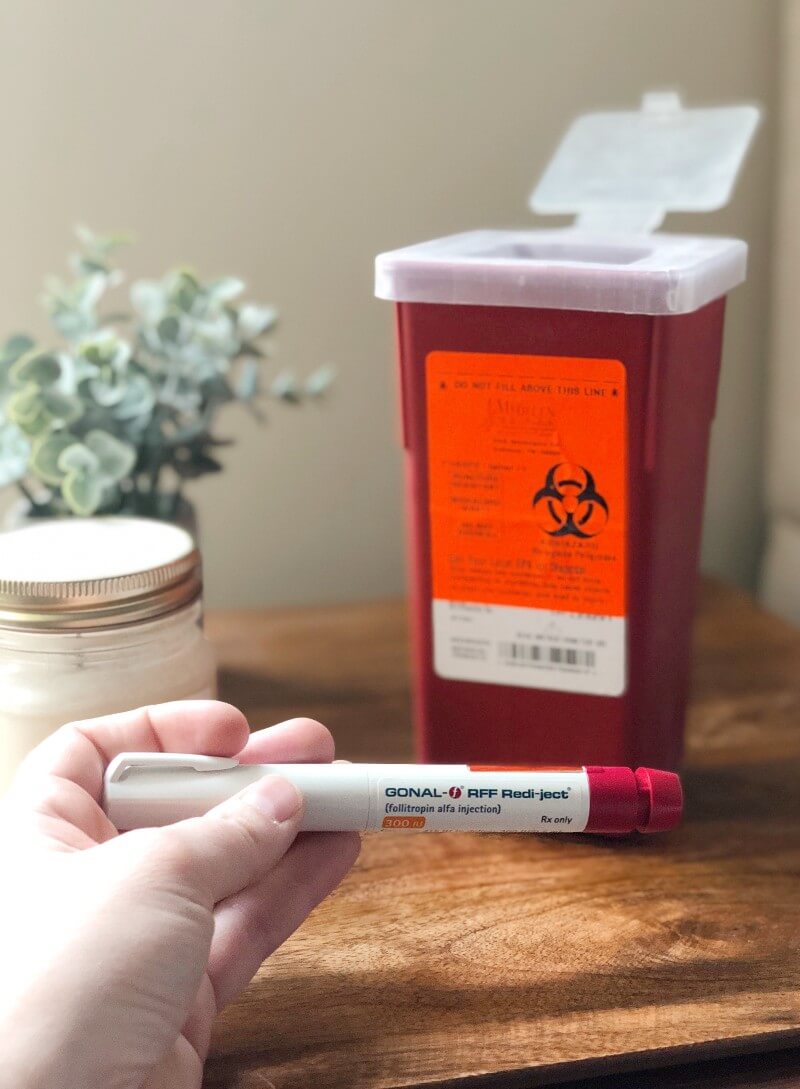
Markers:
point(117, 951)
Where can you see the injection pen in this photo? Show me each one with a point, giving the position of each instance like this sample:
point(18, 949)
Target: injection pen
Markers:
point(148, 789)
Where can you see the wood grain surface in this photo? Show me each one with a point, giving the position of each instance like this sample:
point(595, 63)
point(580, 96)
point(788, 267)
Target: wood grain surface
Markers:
point(525, 960)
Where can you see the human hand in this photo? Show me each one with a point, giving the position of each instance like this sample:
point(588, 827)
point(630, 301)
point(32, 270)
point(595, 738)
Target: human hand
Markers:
point(118, 951)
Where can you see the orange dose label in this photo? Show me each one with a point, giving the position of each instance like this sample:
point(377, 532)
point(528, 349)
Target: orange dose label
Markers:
point(528, 514)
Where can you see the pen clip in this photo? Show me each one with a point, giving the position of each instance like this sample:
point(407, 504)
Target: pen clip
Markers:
point(121, 766)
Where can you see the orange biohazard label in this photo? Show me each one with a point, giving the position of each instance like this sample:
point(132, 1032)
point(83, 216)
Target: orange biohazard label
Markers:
point(528, 513)
point(527, 478)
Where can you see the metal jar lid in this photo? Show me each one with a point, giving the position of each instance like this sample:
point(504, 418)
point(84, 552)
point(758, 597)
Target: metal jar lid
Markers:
point(75, 574)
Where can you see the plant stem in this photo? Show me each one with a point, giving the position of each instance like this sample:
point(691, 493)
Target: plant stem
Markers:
point(27, 493)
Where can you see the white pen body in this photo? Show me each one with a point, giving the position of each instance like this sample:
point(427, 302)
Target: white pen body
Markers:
point(366, 797)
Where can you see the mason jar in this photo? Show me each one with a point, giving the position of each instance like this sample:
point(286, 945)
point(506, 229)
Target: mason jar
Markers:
point(97, 615)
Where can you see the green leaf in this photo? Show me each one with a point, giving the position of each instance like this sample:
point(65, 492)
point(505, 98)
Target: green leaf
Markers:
point(184, 277)
point(247, 383)
point(35, 410)
point(25, 407)
point(219, 390)
point(116, 458)
point(185, 291)
point(253, 321)
point(138, 401)
point(320, 381)
point(106, 393)
point(83, 493)
point(84, 234)
point(15, 450)
point(92, 353)
point(169, 329)
point(185, 299)
point(78, 458)
point(89, 291)
point(73, 370)
point(46, 455)
point(40, 368)
point(82, 265)
point(61, 407)
point(72, 324)
point(284, 388)
point(149, 299)
point(99, 243)
point(217, 334)
point(226, 288)
point(39, 427)
point(15, 347)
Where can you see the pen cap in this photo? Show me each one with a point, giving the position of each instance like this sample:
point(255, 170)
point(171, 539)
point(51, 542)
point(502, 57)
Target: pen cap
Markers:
point(143, 790)
point(661, 795)
point(622, 800)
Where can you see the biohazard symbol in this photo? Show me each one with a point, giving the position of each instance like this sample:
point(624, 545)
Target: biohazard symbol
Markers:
point(569, 504)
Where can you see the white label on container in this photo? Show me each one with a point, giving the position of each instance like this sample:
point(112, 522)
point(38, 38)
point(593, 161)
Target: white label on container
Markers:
point(529, 648)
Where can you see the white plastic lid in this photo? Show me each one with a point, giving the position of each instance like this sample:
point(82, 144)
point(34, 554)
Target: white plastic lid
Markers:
point(565, 269)
point(72, 550)
point(80, 573)
point(625, 171)
point(620, 173)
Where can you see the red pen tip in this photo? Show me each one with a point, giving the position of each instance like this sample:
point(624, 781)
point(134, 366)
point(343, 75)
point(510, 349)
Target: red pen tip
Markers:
point(661, 799)
point(623, 801)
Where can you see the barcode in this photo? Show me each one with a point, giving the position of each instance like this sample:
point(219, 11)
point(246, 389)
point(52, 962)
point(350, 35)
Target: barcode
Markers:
point(532, 652)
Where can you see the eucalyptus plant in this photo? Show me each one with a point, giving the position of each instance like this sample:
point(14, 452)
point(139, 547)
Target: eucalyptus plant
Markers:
point(122, 413)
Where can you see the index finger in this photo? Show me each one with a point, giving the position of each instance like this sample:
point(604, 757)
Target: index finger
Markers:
point(81, 751)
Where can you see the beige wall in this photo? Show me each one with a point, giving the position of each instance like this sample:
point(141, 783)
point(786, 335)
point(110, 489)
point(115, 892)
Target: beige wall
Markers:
point(290, 142)
point(780, 585)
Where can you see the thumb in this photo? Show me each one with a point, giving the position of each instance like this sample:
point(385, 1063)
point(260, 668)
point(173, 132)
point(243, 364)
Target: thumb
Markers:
point(233, 845)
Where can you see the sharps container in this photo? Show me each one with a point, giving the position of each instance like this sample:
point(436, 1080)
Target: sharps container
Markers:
point(558, 388)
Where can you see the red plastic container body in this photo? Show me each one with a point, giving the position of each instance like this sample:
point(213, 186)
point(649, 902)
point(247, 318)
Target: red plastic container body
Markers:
point(672, 367)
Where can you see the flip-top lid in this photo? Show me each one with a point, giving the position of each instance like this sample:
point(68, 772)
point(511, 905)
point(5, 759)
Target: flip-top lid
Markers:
point(625, 170)
point(620, 173)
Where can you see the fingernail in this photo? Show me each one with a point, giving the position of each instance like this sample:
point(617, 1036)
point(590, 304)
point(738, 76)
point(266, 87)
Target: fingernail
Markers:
point(276, 798)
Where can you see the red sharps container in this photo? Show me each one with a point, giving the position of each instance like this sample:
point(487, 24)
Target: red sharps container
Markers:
point(558, 389)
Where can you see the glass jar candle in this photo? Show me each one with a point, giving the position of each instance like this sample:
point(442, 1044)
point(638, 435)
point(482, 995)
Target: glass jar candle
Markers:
point(97, 615)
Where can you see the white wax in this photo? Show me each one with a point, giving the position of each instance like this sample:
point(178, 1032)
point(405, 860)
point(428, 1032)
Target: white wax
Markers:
point(71, 549)
point(47, 680)
point(50, 677)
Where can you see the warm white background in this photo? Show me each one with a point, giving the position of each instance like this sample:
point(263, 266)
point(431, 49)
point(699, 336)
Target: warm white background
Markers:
point(289, 142)
point(780, 583)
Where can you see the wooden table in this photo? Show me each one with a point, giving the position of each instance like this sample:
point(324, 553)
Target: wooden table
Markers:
point(460, 959)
